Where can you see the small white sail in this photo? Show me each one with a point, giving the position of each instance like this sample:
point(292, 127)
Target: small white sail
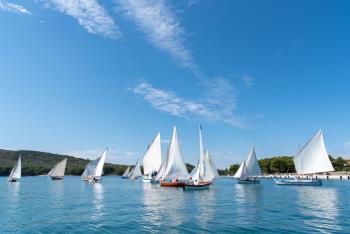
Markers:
point(58, 169)
point(16, 171)
point(152, 159)
point(210, 172)
point(240, 172)
point(126, 172)
point(174, 165)
point(249, 167)
point(136, 171)
point(313, 157)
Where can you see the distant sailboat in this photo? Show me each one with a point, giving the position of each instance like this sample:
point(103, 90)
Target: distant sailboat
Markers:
point(135, 173)
point(205, 172)
point(152, 160)
point(15, 174)
point(173, 168)
point(57, 172)
point(249, 170)
point(126, 173)
point(311, 159)
point(93, 171)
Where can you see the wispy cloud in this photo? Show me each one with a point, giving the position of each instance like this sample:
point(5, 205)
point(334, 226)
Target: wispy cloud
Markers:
point(90, 15)
point(161, 27)
point(218, 105)
point(248, 80)
point(15, 8)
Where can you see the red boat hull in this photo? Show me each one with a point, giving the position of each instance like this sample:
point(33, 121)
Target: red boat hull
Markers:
point(177, 184)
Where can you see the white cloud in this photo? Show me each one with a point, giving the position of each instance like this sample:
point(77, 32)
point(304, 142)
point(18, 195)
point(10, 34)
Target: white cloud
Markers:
point(218, 105)
point(161, 27)
point(248, 80)
point(15, 8)
point(90, 15)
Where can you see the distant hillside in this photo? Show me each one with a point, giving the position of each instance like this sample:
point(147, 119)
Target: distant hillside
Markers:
point(40, 163)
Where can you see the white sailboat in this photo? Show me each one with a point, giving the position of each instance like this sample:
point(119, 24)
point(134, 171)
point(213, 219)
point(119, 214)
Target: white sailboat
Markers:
point(173, 167)
point(135, 173)
point(93, 171)
point(205, 171)
point(16, 172)
point(57, 172)
point(311, 159)
point(249, 170)
point(126, 173)
point(152, 160)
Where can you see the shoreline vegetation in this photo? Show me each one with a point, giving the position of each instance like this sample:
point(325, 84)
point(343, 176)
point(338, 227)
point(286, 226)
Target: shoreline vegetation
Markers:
point(36, 163)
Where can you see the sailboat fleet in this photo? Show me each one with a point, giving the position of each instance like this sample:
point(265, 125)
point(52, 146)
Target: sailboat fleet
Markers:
point(171, 170)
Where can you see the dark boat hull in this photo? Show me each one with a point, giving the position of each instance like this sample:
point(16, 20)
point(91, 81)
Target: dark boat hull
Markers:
point(248, 181)
point(199, 186)
point(56, 177)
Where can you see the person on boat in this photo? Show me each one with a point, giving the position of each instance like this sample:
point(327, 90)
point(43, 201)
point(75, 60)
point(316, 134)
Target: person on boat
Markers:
point(176, 179)
point(195, 182)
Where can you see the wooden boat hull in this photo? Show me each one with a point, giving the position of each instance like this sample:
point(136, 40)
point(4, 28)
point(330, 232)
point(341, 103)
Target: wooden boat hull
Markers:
point(298, 182)
point(248, 181)
point(200, 186)
point(56, 177)
point(176, 184)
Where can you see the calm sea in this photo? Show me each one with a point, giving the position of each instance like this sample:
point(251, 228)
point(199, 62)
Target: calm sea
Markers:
point(39, 205)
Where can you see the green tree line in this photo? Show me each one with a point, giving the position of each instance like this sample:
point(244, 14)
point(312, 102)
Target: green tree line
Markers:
point(284, 164)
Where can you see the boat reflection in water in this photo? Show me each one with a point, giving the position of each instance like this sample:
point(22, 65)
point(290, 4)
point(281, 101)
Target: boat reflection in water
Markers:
point(319, 204)
point(206, 203)
point(159, 210)
point(249, 202)
point(98, 202)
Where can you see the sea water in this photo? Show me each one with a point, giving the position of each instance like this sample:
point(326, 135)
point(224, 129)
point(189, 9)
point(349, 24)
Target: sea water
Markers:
point(39, 205)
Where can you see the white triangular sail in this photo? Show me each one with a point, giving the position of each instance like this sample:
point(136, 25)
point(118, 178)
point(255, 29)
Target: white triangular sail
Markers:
point(152, 159)
point(240, 172)
point(249, 167)
point(136, 171)
point(126, 172)
point(95, 167)
point(205, 169)
point(174, 166)
point(58, 169)
point(17, 170)
point(313, 157)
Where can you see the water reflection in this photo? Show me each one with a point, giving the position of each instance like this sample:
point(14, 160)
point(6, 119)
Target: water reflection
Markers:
point(248, 198)
point(161, 205)
point(206, 202)
point(98, 201)
point(319, 204)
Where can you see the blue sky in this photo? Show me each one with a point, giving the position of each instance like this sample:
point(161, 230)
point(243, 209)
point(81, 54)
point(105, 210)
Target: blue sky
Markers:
point(77, 76)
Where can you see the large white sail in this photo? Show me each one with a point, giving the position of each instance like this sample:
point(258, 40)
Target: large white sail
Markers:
point(313, 157)
point(174, 165)
point(95, 167)
point(59, 168)
point(249, 167)
point(198, 172)
point(100, 164)
point(16, 171)
point(136, 171)
point(126, 172)
point(152, 159)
